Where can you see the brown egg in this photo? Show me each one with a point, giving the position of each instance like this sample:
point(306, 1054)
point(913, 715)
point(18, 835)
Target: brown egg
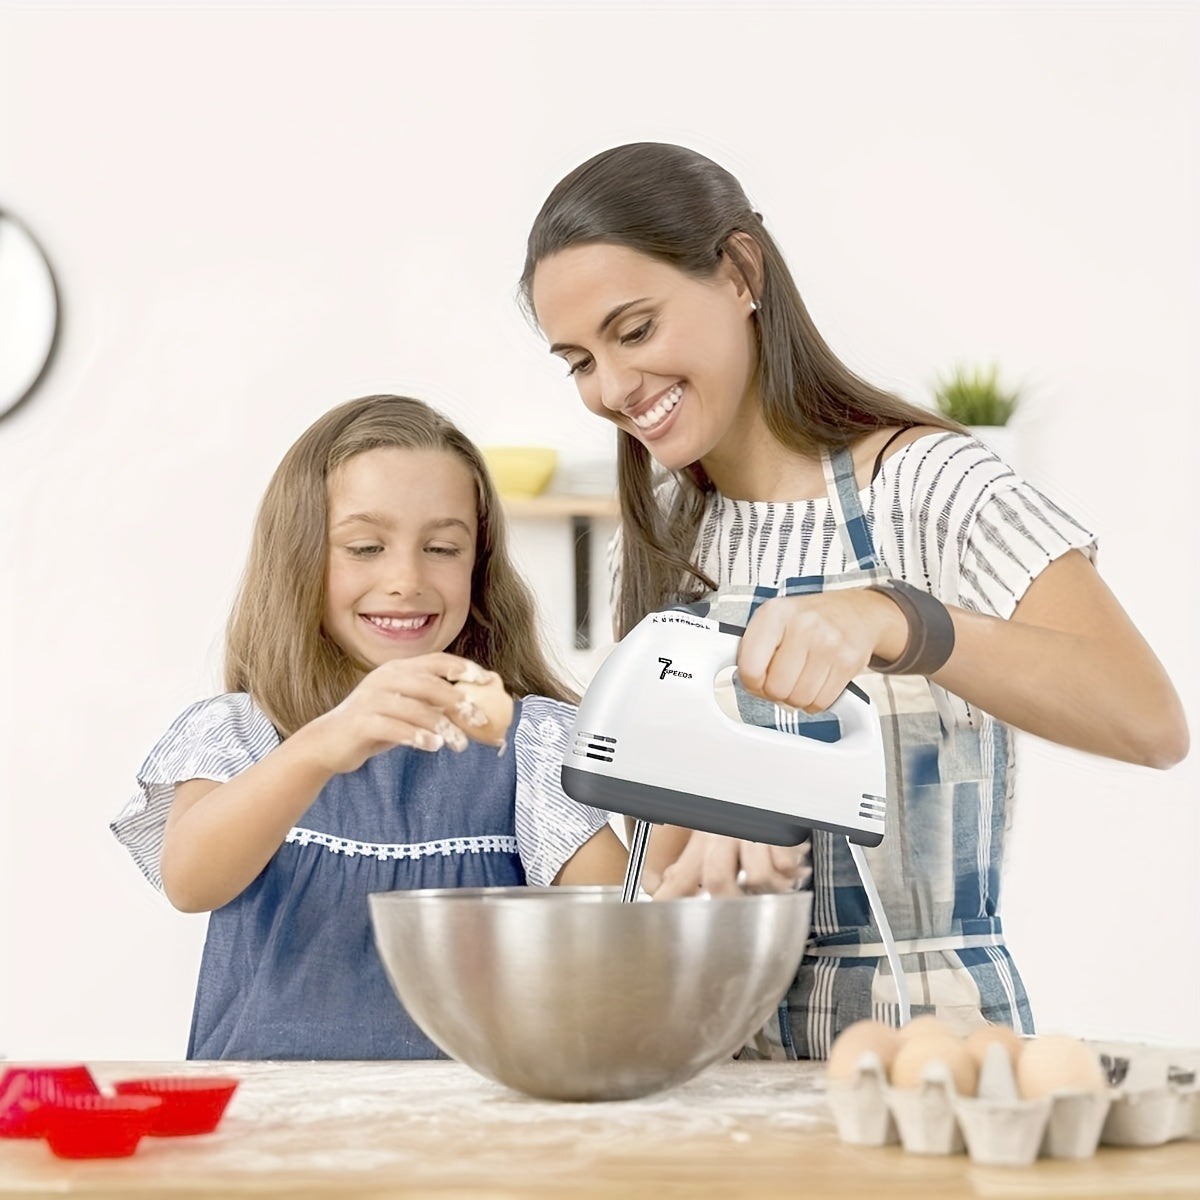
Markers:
point(924, 1025)
point(1058, 1063)
point(978, 1041)
point(487, 694)
point(863, 1037)
point(916, 1053)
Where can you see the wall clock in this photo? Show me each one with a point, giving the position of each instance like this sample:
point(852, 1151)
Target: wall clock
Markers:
point(29, 313)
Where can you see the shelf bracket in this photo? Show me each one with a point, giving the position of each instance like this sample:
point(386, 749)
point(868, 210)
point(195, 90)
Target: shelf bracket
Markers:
point(581, 539)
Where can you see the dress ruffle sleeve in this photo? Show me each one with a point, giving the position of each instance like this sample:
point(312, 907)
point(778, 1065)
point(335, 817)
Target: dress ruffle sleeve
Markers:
point(213, 739)
point(550, 825)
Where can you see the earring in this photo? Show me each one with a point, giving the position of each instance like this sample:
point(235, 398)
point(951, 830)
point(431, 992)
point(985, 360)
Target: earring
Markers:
point(754, 306)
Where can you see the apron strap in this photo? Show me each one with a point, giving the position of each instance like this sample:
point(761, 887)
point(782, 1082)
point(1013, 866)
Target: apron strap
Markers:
point(842, 490)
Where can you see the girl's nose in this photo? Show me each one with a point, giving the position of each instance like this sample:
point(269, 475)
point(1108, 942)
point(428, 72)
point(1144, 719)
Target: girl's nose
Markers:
point(404, 575)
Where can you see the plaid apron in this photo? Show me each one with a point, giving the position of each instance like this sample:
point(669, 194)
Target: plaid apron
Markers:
point(938, 868)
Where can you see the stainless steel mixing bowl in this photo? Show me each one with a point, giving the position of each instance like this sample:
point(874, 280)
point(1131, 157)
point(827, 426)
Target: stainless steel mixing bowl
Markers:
point(568, 994)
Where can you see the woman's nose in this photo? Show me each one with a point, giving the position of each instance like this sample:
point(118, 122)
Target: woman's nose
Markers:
point(618, 384)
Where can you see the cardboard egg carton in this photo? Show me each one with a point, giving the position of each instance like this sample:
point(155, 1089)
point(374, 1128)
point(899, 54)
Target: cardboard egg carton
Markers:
point(1144, 1105)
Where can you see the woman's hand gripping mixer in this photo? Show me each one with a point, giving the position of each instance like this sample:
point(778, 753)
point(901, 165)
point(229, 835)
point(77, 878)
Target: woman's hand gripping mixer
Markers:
point(650, 741)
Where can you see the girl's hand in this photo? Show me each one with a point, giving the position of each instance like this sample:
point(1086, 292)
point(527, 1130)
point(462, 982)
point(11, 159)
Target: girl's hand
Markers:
point(722, 866)
point(803, 650)
point(404, 702)
point(219, 836)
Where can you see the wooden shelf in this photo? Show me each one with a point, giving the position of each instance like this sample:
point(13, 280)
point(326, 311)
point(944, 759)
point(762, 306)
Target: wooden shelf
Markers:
point(551, 504)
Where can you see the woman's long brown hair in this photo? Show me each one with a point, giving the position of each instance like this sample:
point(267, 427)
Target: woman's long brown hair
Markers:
point(275, 648)
point(681, 208)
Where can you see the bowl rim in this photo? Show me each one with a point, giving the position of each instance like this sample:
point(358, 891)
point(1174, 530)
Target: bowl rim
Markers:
point(522, 893)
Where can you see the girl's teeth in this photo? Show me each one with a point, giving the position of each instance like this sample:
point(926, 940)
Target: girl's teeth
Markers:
point(397, 622)
point(649, 419)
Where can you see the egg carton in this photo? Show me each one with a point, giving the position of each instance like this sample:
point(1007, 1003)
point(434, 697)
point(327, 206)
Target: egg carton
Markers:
point(998, 1128)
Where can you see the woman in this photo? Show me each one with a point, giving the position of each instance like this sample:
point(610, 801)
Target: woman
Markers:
point(891, 547)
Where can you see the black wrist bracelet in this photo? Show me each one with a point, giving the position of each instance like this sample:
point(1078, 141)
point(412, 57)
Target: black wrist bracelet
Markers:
point(930, 630)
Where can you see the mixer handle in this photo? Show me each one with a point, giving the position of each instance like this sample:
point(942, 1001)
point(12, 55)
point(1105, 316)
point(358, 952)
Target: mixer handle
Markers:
point(853, 705)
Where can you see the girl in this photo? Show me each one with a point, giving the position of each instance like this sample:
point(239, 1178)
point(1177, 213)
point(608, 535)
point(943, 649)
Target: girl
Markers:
point(862, 538)
point(338, 762)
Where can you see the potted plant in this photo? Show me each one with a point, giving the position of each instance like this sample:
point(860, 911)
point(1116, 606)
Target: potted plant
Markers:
point(974, 397)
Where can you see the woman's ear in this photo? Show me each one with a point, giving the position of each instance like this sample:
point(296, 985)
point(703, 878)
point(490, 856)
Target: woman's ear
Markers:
point(742, 257)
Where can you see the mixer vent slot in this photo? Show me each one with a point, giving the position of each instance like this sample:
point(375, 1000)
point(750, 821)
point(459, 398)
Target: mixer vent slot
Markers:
point(872, 807)
point(595, 745)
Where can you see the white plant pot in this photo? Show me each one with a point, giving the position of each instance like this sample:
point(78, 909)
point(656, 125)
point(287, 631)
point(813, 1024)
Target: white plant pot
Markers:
point(1003, 440)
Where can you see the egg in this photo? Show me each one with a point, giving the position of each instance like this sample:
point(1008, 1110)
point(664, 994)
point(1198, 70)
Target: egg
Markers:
point(486, 692)
point(978, 1041)
point(1058, 1063)
point(920, 1050)
point(924, 1025)
point(863, 1037)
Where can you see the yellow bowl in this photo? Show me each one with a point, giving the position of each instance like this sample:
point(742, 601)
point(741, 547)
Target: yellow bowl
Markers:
point(521, 470)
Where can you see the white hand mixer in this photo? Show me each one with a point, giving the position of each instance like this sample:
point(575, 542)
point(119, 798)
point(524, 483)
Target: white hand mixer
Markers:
point(650, 741)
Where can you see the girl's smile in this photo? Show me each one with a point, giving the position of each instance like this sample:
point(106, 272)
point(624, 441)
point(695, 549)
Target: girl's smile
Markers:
point(397, 628)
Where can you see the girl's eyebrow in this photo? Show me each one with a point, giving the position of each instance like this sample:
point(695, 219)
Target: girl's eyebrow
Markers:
point(448, 522)
point(366, 518)
point(609, 318)
point(362, 518)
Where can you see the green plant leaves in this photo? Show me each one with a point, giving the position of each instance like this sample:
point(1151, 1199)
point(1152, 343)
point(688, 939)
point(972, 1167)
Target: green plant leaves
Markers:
point(973, 396)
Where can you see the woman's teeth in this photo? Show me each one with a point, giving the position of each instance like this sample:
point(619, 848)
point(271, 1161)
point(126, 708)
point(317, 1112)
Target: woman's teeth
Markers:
point(653, 416)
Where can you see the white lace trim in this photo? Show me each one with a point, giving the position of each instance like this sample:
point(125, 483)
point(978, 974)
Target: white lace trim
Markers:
point(488, 844)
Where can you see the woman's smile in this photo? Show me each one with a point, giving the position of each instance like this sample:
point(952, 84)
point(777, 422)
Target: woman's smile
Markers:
point(650, 422)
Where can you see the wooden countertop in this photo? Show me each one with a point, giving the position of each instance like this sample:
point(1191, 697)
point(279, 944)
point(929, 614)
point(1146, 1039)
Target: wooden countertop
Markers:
point(393, 1131)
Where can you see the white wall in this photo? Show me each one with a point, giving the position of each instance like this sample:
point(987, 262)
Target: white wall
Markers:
point(259, 210)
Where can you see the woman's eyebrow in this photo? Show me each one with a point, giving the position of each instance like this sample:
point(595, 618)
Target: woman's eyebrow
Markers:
point(609, 318)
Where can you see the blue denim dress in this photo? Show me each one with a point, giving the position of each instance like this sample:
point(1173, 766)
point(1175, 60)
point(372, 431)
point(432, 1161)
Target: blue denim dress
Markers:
point(289, 968)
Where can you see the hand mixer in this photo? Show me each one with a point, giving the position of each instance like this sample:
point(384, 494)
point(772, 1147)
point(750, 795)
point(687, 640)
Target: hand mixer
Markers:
point(650, 741)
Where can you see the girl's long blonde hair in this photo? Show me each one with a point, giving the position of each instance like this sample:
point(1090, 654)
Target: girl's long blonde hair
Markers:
point(681, 208)
point(275, 648)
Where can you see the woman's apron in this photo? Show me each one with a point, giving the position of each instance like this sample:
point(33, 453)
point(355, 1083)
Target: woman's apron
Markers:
point(938, 867)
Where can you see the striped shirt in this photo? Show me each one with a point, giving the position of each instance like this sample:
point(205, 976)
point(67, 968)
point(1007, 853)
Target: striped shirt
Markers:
point(944, 512)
